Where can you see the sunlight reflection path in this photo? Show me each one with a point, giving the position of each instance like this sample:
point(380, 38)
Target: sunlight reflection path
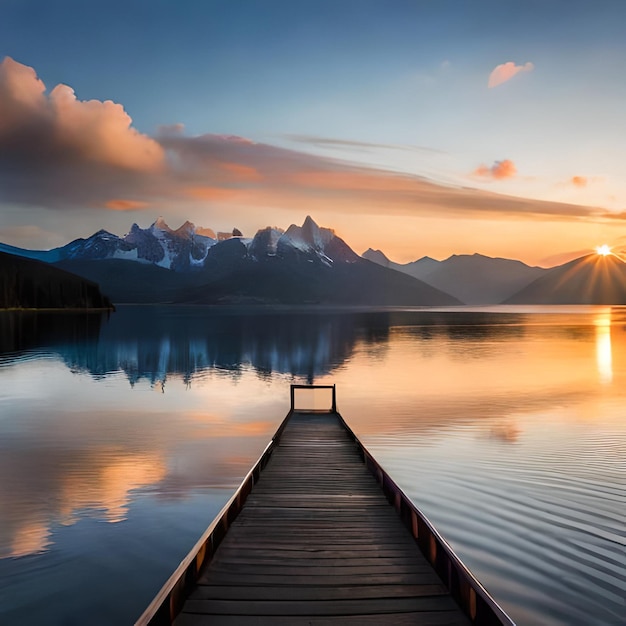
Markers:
point(604, 354)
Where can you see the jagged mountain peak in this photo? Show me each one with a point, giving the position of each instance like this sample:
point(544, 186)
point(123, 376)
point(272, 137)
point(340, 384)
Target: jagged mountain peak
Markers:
point(187, 229)
point(103, 233)
point(161, 224)
point(375, 251)
point(309, 236)
point(321, 236)
point(206, 232)
point(265, 243)
point(376, 256)
point(308, 243)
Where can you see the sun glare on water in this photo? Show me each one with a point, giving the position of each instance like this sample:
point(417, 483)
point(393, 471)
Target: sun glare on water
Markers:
point(603, 250)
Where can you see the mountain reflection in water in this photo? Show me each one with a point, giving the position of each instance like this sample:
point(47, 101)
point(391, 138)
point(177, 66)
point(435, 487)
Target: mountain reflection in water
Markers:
point(151, 343)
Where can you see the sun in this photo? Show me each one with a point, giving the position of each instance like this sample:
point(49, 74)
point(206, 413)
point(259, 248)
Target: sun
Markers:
point(603, 250)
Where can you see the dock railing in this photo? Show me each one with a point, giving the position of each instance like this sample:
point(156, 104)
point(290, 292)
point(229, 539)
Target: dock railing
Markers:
point(312, 389)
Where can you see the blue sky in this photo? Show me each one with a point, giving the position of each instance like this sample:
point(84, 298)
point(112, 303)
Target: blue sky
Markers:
point(395, 91)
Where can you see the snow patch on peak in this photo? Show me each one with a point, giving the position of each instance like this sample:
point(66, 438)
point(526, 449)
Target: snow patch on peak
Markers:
point(274, 236)
point(293, 236)
point(310, 232)
point(199, 262)
point(264, 243)
point(309, 237)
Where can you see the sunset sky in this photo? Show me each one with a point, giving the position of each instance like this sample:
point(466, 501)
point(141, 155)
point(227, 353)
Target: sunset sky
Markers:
point(416, 127)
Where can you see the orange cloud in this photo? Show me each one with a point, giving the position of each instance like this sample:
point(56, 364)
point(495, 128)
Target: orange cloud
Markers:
point(67, 128)
point(102, 132)
point(579, 181)
point(499, 170)
point(21, 94)
point(120, 204)
point(355, 180)
point(57, 151)
point(505, 71)
point(241, 172)
point(213, 194)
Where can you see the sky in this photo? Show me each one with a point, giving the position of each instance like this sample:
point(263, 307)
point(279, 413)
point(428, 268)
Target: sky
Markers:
point(411, 126)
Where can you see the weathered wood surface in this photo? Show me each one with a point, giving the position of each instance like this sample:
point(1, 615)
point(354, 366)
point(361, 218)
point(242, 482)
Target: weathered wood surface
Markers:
point(318, 543)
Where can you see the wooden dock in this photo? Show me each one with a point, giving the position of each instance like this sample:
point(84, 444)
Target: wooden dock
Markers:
point(319, 542)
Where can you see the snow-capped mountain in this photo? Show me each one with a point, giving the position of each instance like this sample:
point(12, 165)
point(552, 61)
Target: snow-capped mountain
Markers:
point(179, 249)
point(302, 265)
point(187, 247)
point(158, 244)
point(307, 242)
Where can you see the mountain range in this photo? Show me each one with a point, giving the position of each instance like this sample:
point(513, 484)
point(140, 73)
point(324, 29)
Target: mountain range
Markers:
point(310, 265)
point(477, 279)
point(302, 265)
point(472, 278)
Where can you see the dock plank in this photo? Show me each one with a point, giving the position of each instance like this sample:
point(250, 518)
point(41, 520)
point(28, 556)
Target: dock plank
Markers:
point(315, 593)
point(317, 543)
point(422, 618)
point(360, 606)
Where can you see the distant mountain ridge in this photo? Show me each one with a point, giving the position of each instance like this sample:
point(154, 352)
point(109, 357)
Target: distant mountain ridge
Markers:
point(592, 279)
point(472, 278)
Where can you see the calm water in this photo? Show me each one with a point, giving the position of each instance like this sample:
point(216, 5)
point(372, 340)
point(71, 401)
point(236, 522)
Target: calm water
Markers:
point(121, 438)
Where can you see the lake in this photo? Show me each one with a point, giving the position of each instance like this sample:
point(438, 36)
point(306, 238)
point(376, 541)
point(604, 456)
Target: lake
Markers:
point(122, 436)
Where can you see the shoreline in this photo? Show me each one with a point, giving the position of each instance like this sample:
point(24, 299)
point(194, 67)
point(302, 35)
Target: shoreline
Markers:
point(56, 310)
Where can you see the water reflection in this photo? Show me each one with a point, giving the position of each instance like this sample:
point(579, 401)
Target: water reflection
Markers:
point(63, 487)
point(604, 353)
point(67, 461)
point(503, 411)
point(30, 330)
point(152, 343)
